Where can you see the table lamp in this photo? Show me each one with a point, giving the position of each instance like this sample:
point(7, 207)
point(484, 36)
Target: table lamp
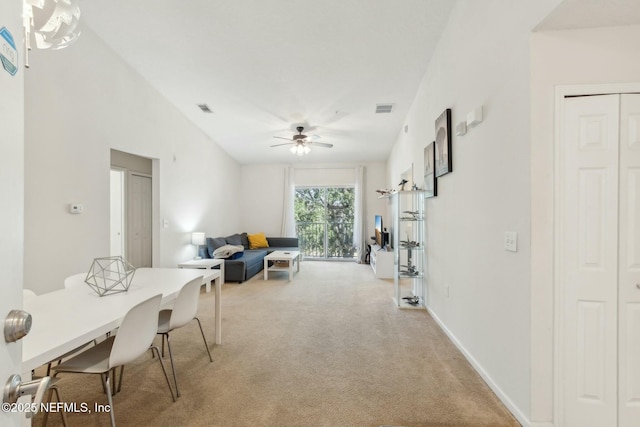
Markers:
point(197, 238)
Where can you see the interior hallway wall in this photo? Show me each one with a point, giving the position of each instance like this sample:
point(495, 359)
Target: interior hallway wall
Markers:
point(81, 102)
point(477, 290)
point(572, 57)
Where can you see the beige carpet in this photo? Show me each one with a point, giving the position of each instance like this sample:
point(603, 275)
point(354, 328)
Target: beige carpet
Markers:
point(327, 349)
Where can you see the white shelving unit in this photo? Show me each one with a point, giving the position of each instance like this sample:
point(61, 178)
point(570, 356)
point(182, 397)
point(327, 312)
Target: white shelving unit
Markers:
point(381, 262)
point(409, 249)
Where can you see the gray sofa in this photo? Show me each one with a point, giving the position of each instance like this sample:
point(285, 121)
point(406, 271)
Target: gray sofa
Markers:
point(250, 262)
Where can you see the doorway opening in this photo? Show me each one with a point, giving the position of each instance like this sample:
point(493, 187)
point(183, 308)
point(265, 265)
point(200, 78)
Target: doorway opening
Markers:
point(131, 220)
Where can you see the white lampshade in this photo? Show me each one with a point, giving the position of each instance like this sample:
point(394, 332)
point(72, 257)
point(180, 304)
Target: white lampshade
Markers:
point(197, 238)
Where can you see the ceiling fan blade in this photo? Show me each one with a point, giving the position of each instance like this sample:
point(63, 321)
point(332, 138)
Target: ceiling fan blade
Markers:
point(286, 143)
point(280, 137)
point(321, 144)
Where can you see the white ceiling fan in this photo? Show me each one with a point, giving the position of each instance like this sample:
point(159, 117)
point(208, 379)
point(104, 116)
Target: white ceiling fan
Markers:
point(300, 144)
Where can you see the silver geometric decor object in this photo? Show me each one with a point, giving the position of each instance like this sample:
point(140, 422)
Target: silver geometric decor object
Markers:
point(110, 275)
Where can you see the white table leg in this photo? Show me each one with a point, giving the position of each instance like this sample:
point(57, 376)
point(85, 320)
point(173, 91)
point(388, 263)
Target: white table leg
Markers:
point(218, 320)
point(266, 269)
point(298, 262)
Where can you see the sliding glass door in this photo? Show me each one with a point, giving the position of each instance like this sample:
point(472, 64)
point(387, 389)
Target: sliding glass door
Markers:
point(324, 222)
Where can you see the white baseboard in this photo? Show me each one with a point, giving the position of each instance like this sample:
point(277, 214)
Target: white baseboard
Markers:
point(517, 413)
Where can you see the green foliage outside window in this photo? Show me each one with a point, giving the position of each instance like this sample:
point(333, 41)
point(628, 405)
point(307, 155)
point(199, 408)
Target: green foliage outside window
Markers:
point(325, 213)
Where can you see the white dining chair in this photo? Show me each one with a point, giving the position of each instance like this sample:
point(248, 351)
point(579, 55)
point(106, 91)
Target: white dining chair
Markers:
point(74, 280)
point(28, 293)
point(184, 311)
point(135, 336)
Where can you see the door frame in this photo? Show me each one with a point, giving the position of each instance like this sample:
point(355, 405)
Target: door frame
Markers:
point(123, 201)
point(561, 92)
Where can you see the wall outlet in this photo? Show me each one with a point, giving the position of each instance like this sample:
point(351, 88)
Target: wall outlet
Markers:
point(511, 241)
point(75, 208)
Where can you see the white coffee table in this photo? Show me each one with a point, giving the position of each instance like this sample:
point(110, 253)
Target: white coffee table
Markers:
point(291, 257)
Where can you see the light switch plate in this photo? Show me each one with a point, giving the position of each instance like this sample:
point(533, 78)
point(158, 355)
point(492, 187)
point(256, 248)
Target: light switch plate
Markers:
point(511, 241)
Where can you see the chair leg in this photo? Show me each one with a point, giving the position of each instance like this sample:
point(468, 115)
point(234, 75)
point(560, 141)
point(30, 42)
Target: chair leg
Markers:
point(204, 339)
point(107, 387)
point(45, 415)
point(63, 414)
point(113, 381)
point(156, 351)
point(120, 380)
point(173, 368)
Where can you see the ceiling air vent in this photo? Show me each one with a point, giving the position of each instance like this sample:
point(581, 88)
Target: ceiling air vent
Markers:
point(383, 108)
point(205, 108)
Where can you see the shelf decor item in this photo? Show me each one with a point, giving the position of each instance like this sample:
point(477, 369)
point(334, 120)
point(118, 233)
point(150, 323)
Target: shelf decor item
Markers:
point(110, 275)
point(443, 143)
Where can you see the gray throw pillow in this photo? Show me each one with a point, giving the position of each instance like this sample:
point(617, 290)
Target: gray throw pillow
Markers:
point(234, 240)
point(214, 243)
point(245, 240)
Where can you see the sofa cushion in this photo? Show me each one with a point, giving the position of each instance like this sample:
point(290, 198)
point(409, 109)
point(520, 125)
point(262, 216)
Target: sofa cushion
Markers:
point(283, 242)
point(257, 241)
point(234, 240)
point(254, 257)
point(245, 240)
point(214, 243)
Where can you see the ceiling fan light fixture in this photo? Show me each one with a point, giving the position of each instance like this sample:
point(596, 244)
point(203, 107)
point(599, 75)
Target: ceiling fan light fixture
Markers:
point(300, 149)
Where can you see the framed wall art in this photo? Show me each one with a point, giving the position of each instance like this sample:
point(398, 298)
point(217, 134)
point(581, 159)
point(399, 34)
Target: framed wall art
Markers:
point(443, 143)
point(430, 182)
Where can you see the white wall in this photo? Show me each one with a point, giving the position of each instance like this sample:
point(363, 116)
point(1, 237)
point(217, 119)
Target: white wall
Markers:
point(584, 57)
point(482, 59)
point(263, 194)
point(81, 102)
point(11, 192)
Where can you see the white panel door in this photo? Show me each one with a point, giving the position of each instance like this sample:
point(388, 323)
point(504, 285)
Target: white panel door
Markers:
point(12, 192)
point(589, 245)
point(629, 261)
point(139, 226)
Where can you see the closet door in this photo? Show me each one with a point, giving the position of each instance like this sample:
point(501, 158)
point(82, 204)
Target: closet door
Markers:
point(588, 245)
point(629, 262)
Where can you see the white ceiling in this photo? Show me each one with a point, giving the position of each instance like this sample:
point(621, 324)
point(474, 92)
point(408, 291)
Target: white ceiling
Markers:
point(265, 66)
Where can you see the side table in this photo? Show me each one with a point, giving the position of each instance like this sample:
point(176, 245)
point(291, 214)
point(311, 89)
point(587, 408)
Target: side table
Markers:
point(218, 278)
point(205, 263)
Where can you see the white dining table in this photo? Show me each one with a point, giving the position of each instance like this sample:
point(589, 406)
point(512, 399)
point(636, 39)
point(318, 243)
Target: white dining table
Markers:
point(70, 317)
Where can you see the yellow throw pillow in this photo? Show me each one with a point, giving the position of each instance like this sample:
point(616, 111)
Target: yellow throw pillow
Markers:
point(257, 241)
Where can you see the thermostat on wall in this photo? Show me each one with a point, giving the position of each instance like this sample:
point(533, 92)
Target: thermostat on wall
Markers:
point(75, 208)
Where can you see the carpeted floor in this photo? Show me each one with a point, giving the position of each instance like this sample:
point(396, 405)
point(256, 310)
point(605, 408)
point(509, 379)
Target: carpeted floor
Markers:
point(327, 349)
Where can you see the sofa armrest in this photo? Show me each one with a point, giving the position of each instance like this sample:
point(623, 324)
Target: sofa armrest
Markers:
point(282, 242)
